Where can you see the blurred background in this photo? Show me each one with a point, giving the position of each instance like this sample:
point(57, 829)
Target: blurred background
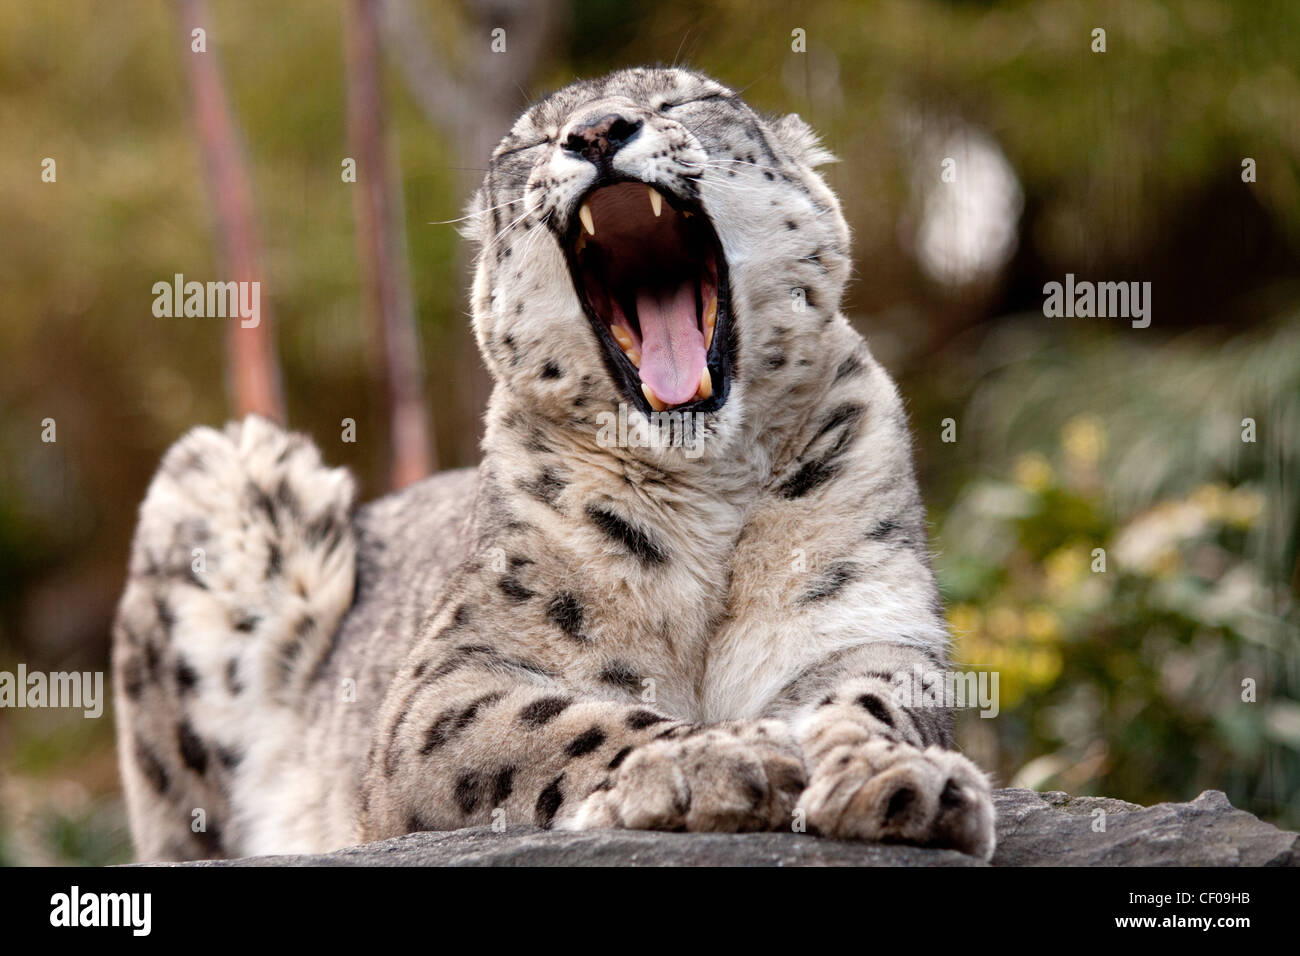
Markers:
point(1072, 434)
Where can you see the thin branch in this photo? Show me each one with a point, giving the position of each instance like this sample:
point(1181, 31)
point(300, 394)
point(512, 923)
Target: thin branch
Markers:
point(252, 369)
point(476, 105)
point(471, 105)
point(393, 333)
point(445, 101)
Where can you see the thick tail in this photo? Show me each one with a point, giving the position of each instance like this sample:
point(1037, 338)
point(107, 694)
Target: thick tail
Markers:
point(241, 567)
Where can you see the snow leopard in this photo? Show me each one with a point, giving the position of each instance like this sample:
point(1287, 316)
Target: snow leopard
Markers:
point(680, 592)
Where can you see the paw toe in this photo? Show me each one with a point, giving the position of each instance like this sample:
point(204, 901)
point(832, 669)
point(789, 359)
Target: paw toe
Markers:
point(901, 794)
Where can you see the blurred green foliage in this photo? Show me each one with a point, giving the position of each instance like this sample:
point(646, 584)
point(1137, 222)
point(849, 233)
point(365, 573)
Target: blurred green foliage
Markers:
point(1073, 435)
point(1136, 596)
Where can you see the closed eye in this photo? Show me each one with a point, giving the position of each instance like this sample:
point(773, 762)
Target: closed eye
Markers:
point(665, 107)
point(523, 149)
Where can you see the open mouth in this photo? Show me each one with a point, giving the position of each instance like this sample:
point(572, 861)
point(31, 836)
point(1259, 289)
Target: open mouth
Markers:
point(652, 279)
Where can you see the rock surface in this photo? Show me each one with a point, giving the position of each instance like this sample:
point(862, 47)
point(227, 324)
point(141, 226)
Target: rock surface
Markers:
point(1034, 829)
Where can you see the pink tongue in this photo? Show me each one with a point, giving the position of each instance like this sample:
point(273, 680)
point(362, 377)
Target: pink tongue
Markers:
point(672, 346)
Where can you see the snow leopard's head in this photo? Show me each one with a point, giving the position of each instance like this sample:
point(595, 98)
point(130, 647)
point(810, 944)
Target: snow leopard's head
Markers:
point(647, 238)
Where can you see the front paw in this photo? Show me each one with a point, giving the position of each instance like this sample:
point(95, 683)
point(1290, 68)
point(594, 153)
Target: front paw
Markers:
point(894, 792)
point(734, 777)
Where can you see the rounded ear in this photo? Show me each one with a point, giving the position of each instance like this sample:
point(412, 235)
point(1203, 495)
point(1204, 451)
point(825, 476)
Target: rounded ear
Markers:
point(801, 142)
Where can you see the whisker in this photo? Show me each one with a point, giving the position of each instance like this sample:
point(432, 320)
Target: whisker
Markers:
point(539, 228)
point(506, 228)
point(481, 212)
point(722, 163)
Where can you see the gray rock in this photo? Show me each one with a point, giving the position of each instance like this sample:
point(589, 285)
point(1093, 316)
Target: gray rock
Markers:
point(1055, 829)
point(1034, 829)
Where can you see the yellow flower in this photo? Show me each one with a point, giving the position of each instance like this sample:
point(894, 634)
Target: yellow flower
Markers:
point(964, 620)
point(1032, 471)
point(1065, 568)
point(978, 654)
point(1004, 623)
point(1244, 507)
point(1212, 500)
point(1042, 625)
point(1044, 666)
point(1084, 439)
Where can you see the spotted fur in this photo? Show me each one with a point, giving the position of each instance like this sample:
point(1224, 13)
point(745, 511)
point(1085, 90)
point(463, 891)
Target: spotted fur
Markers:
point(571, 635)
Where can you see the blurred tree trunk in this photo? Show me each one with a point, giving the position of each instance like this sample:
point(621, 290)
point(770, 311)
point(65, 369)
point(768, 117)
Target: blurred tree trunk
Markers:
point(392, 333)
point(252, 369)
point(472, 102)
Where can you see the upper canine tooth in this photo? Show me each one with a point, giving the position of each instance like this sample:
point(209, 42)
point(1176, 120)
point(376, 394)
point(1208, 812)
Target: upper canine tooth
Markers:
point(656, 201)
point(587, 222)
point(652, 398)
point(706, 384)
point(710, 320)
point(634, 357)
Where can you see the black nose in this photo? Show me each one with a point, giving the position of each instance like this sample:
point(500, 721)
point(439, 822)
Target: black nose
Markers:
point(599, 138)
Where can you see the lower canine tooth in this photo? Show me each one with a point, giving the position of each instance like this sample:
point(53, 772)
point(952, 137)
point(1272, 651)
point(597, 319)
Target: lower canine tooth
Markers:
point(656, 201)
point(623, 337)
point(706, 385)
point(587, 222)
point(652, 398)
